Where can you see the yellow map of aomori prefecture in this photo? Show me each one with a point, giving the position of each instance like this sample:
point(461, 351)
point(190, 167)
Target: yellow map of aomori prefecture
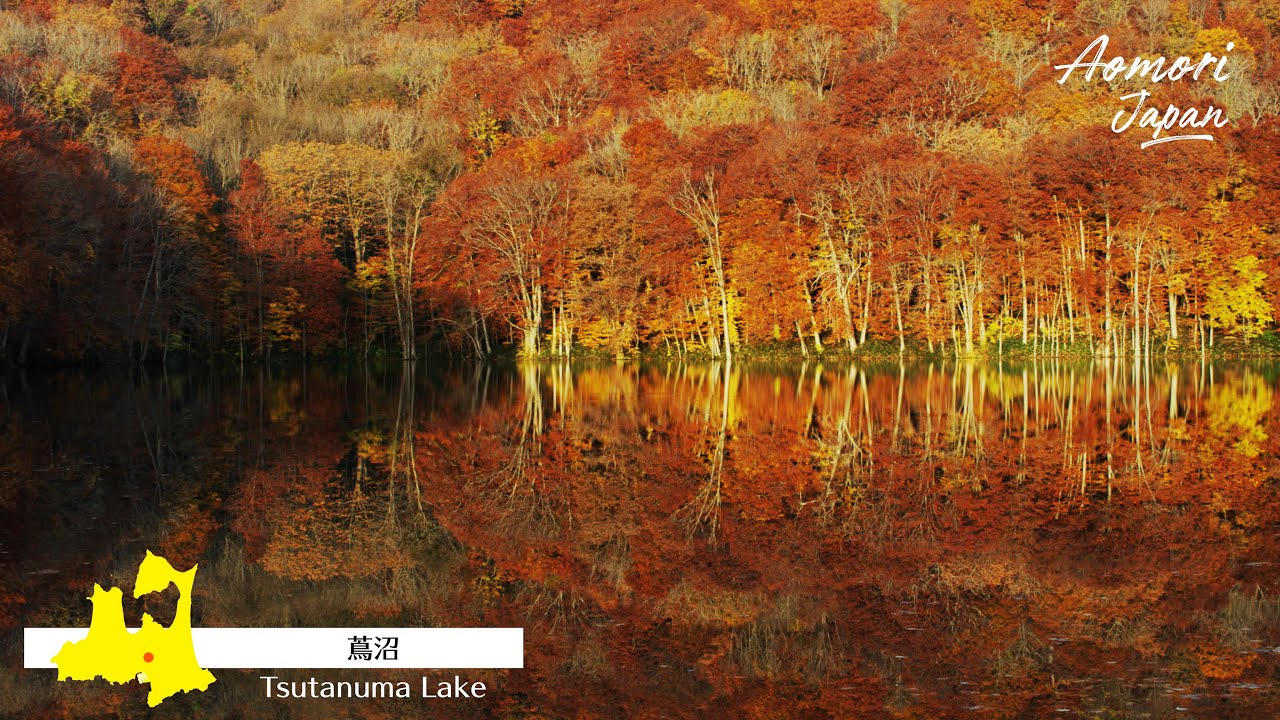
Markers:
point(164, 657)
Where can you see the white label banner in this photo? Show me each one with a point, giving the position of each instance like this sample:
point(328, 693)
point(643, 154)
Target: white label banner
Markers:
point(322, 648)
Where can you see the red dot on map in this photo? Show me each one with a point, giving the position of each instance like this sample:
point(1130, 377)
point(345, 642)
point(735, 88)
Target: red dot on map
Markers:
point(148, 657)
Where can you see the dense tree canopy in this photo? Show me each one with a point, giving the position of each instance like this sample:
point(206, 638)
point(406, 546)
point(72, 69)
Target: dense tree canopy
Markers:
point(228, 176)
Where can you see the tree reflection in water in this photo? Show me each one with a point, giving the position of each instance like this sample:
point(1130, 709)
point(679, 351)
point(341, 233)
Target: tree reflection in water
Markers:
point(719, 540)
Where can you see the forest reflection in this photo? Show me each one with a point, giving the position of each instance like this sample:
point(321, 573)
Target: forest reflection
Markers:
point(716, 540)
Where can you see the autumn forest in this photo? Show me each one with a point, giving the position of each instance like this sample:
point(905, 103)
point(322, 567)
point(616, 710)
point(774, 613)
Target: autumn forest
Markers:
point(237, 178)
point(868, 358)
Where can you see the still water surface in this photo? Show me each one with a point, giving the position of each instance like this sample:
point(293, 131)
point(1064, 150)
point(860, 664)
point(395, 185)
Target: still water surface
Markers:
point(679, 541)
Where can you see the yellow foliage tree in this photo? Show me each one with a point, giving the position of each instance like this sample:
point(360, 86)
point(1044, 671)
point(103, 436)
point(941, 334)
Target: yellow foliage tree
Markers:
point(1236, 301)
point(281, 316)
point(333, 185)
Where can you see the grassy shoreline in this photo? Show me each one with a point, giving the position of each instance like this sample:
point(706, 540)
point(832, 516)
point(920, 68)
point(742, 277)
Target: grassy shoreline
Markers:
point(875, 349)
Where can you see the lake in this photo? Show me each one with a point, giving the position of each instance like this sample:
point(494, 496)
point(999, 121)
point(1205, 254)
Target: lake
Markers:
point(803, 541)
